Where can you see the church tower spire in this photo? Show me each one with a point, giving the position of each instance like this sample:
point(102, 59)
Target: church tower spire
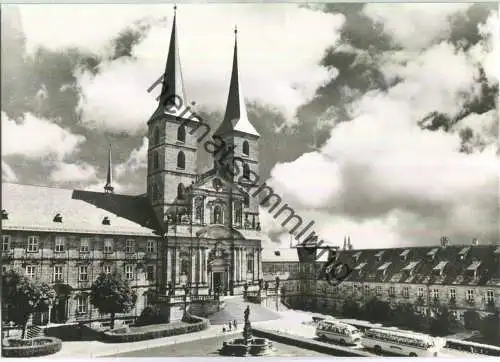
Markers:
point(236, 117)
point(108, 188)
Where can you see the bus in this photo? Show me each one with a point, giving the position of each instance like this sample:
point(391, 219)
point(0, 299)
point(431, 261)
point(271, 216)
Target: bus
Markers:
point(361, 325)
point(338, 332)
point(400, 343)
point(472, 347)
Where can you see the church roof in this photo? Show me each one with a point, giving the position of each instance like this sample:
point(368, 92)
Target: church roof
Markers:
point(33, 208)
point(236, 117)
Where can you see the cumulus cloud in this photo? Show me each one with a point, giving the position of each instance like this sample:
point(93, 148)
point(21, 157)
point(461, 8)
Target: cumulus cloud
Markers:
point(279, 62)
point(70, 172)
point(37, 138)
point(415, 26)
point(137, 160)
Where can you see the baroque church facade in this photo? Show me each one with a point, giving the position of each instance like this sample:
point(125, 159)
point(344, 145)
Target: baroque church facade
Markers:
point(191, 235)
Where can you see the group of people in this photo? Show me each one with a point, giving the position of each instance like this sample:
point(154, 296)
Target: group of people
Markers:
point(231, 325)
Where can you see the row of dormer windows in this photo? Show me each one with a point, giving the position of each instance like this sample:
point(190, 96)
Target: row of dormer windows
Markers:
point(433, 293)
point(405, 253)
point(33, 245)
point(83, 272)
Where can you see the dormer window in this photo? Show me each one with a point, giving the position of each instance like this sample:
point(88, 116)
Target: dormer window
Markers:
point(404, 254)
point(277, 253)
point(432, 254)
point(378, 256)
point(472, 269)
point(383, 268)
point(438, 269)
point(463, 253)
point(57, 218)
point(5, 215)
point(410, 267)
point(106, 221)
point(359, 268)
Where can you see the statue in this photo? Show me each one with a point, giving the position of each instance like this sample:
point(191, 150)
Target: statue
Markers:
point(261, 284)
point(170, 288)
point(277, 283)
point(266, 286)
point(247, 328)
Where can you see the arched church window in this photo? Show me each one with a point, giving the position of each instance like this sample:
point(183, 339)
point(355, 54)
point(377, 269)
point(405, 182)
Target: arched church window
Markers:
point(246, 171)
point(180, 191)
point(181, 134)
point(198, 205)
point(218, 215)
point(181, 160)
point(238, 213)
point(156, 136)
point(156, 160)
point(246, 148)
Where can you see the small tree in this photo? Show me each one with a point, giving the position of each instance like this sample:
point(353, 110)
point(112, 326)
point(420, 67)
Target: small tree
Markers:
point(110, 294)
point(22, 296)
point(490, 328)
point(472, 320)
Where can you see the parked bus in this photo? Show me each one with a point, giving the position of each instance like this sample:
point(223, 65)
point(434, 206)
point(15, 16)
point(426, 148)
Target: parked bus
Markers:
point(361, 325)
point(399, 342)
point(472, 347)
point(333, 330)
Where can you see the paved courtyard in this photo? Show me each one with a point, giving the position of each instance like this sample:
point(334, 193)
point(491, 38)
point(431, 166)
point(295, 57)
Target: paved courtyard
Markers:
point(208, 348)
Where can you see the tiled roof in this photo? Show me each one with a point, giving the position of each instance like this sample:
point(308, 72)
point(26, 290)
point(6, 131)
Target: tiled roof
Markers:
point(34, 208)
point(276, 254)
point(426, 265)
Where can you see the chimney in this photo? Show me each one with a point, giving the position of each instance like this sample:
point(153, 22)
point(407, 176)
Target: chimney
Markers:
point(475, 242)
point(444, 241)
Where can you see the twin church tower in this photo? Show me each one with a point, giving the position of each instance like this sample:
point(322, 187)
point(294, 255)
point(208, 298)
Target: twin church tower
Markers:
point(212, 223)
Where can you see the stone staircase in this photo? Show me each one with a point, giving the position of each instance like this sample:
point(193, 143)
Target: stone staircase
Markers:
point(34, 331)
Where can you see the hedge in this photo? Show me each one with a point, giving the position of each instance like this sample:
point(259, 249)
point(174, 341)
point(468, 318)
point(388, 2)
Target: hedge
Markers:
point(305, 343)
point(194, 324)
point(33, 347)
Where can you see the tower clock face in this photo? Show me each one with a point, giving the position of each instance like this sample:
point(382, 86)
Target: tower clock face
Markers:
point(217, 184)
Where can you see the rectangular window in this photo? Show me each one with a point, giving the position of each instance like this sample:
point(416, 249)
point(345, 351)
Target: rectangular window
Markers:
point(83, 273)
point(420, 292)
point(453, 294)
point(58, 273)
point(33, 242)
point(59, 244)
point(129, 272)
point(470, 295)
point(406, 292)
point(250, 262)
point(435, 294)
point(150, 246)
point(108, 246)
point(150, 274)
point(31, 271)
point(130, 247)
point(5, 242)
point(367, 288)
point(84, 245)
point(106, 269)
point(392, 291)
point(81, 305)
point(379, 290)
point(490, 296)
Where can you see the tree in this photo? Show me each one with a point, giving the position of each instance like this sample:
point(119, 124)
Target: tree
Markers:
point(443, 323)
point(22, 296)
point(472, 320)
point(350, 308)
point(376, 310)
point(110, 294)
point(490, 328)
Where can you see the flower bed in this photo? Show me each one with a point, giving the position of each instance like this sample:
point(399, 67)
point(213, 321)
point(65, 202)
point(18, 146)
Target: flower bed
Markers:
point(39, 346)
point(189, 324)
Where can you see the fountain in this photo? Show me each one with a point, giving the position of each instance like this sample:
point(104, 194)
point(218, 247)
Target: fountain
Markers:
point(248, 345)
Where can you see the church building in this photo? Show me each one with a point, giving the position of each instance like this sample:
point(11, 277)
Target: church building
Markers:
point(191, 234)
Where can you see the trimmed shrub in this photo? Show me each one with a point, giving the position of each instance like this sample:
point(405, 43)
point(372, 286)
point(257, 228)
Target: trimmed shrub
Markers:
point(39, 346)
point(160, 331)
point(151, 315)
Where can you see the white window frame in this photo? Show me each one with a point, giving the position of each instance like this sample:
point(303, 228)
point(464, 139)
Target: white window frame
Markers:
point(105, 267)
point(58, 276)
point(150, 246)
point(84, 245)
point(490, 296)
point(392, 291)
point(83, 270)
point(153, 274)
point(406, 292)
point(470, 295)
point(108, 246)
point(130, 246)
point(31, 274)
point(378, 290)
point(129, 272)
point(367, 288)
point(420, 292)
point(6, 243)
point(435, 293)
point(82, 306)
point(453, 293)
point(33, 244)
point(59, 244)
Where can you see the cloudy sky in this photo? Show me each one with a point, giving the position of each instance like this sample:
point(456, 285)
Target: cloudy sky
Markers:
point(399, 102)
